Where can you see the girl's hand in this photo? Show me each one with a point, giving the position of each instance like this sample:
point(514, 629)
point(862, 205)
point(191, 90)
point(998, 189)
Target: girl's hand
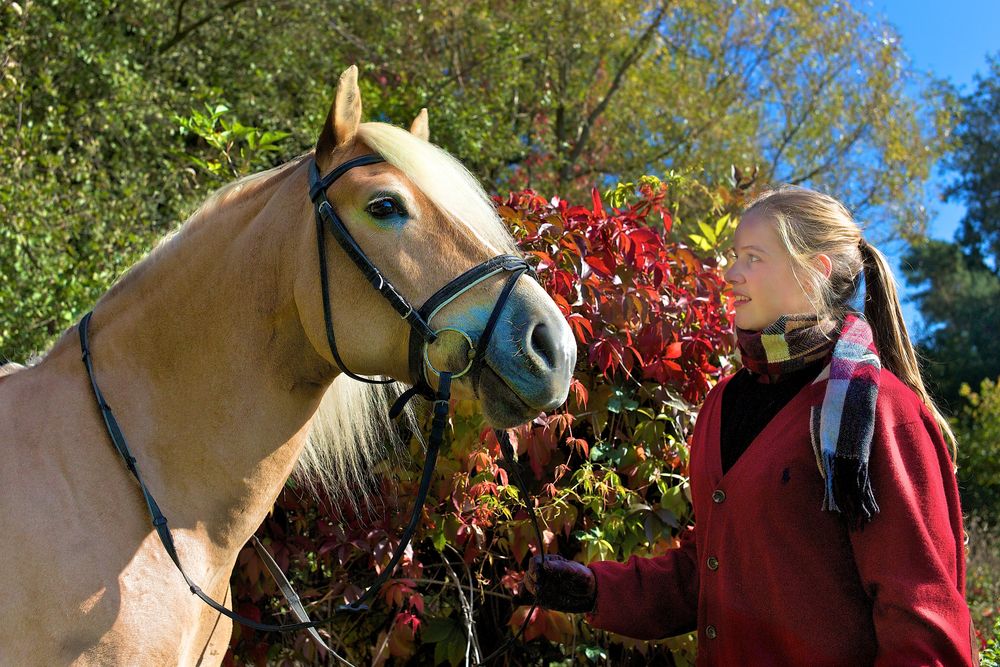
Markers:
point(560, 584)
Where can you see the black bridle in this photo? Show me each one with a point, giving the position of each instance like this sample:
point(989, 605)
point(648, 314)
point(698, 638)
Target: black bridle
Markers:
point(422, 335)
point(421, 332)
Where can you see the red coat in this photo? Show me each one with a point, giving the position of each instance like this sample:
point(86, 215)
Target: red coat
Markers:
point(768, 578)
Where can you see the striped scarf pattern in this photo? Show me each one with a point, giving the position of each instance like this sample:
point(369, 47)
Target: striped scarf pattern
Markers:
point(841, 429)
point(791, 343)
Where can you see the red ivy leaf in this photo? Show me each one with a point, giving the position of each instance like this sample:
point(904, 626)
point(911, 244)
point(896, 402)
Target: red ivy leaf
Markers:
point(581, 326)
point(595, 197)
point(579, 445)
point(579, 393)
point(598, 265)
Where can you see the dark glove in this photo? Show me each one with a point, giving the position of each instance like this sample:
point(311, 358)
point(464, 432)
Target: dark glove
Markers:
point(560, 584)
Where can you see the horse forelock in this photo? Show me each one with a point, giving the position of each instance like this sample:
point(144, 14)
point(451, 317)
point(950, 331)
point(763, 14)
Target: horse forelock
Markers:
point(449, 186)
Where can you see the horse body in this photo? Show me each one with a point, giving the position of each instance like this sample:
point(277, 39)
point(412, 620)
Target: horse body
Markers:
point(214, 454)
point(212, 355)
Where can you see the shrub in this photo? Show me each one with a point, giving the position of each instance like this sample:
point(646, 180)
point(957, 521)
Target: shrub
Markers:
point(983, 583)
point(608, 469)
point(978, 431)
point(990, 656)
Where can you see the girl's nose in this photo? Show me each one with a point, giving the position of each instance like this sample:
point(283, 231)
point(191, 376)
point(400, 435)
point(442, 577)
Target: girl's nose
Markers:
point(731, 275)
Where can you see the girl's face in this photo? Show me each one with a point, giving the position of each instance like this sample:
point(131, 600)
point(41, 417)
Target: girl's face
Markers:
point(764, 285)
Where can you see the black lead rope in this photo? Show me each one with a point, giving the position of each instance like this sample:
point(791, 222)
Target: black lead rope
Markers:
point(163, 531)
point(441, 410)
point(159, 521)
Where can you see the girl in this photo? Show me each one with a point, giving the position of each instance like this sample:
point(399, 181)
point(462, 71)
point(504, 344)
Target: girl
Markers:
point(828, 526)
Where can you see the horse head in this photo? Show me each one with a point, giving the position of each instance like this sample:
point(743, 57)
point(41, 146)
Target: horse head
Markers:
point(423, 220)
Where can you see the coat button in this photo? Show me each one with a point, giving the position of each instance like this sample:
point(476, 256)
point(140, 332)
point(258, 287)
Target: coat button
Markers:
point(713, 563)
point(718, 495)
point(710, 632)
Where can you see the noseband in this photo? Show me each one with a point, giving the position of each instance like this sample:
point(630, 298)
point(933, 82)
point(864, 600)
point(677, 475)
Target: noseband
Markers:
point(422, 335)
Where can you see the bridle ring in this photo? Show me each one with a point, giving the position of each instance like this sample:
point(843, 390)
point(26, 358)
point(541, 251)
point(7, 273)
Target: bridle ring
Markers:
point(472, 355)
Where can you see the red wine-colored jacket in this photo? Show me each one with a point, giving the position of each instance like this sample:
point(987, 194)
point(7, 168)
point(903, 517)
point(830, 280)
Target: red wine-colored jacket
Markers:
point(768, 578)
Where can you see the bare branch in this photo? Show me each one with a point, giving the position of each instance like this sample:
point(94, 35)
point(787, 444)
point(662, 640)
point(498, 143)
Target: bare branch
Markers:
point(814, 97)
point(471, 589)
point(179, 19)
point(630, 59)
point(181, 33)
point(470, 623)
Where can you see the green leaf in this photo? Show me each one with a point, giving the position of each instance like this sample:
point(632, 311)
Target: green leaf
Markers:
point(721, 225)
point(621, 400)
point(709, 233)
point(435, 629)
point(595, 653)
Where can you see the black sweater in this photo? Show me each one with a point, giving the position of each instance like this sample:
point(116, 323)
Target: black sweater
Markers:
point(750, 401)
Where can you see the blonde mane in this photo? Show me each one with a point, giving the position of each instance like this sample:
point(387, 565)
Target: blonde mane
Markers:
point(351, 432)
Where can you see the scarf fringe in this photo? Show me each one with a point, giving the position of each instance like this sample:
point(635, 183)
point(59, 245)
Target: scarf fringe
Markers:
point(849, 490)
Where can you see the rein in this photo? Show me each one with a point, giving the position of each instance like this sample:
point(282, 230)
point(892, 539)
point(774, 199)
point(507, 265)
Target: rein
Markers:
point(422, 335)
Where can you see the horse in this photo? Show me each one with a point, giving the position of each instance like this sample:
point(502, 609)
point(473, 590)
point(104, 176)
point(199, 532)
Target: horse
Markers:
point(212, 351)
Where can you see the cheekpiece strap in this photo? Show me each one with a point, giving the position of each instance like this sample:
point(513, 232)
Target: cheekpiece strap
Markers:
point(324, 211)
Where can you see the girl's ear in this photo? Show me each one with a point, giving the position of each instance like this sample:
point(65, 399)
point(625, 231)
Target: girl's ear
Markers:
point(823, 264)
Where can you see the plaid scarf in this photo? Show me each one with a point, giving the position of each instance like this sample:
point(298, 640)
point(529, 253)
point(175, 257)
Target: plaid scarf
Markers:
point(841, 428)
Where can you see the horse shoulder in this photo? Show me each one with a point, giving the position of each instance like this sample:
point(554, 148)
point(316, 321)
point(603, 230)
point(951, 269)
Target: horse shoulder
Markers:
point(83, 561)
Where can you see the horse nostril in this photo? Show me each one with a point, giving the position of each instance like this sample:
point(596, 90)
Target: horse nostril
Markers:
point(541, 343)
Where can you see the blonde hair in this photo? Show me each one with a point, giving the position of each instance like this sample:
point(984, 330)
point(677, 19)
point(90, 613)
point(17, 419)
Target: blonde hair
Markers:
point(810, 223)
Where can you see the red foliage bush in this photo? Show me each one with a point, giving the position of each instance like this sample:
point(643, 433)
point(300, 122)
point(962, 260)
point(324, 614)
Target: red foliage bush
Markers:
point(609, 467)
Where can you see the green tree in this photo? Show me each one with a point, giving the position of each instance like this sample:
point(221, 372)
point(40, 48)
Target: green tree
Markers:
point(96, 161)
point(557, 95)
point(978, 433)
point(959, 282)
point(975, 159)
point(959, 299)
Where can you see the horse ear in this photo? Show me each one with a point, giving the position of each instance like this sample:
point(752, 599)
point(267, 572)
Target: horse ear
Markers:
point(419, 127)
point(345, 115)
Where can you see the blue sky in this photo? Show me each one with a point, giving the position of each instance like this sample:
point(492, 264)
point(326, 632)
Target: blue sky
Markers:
point(949, 40)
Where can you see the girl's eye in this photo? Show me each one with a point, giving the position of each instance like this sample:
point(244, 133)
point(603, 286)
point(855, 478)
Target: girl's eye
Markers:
point(385, 207)
point(753, 258)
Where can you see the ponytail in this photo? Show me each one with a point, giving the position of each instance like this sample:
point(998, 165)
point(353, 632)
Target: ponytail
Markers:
point(885, 316)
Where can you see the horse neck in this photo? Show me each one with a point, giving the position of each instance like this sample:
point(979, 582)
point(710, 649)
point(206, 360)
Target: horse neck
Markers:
point(201, 354)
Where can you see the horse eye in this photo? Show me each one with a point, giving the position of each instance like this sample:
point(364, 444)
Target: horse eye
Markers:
point(385, 207)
